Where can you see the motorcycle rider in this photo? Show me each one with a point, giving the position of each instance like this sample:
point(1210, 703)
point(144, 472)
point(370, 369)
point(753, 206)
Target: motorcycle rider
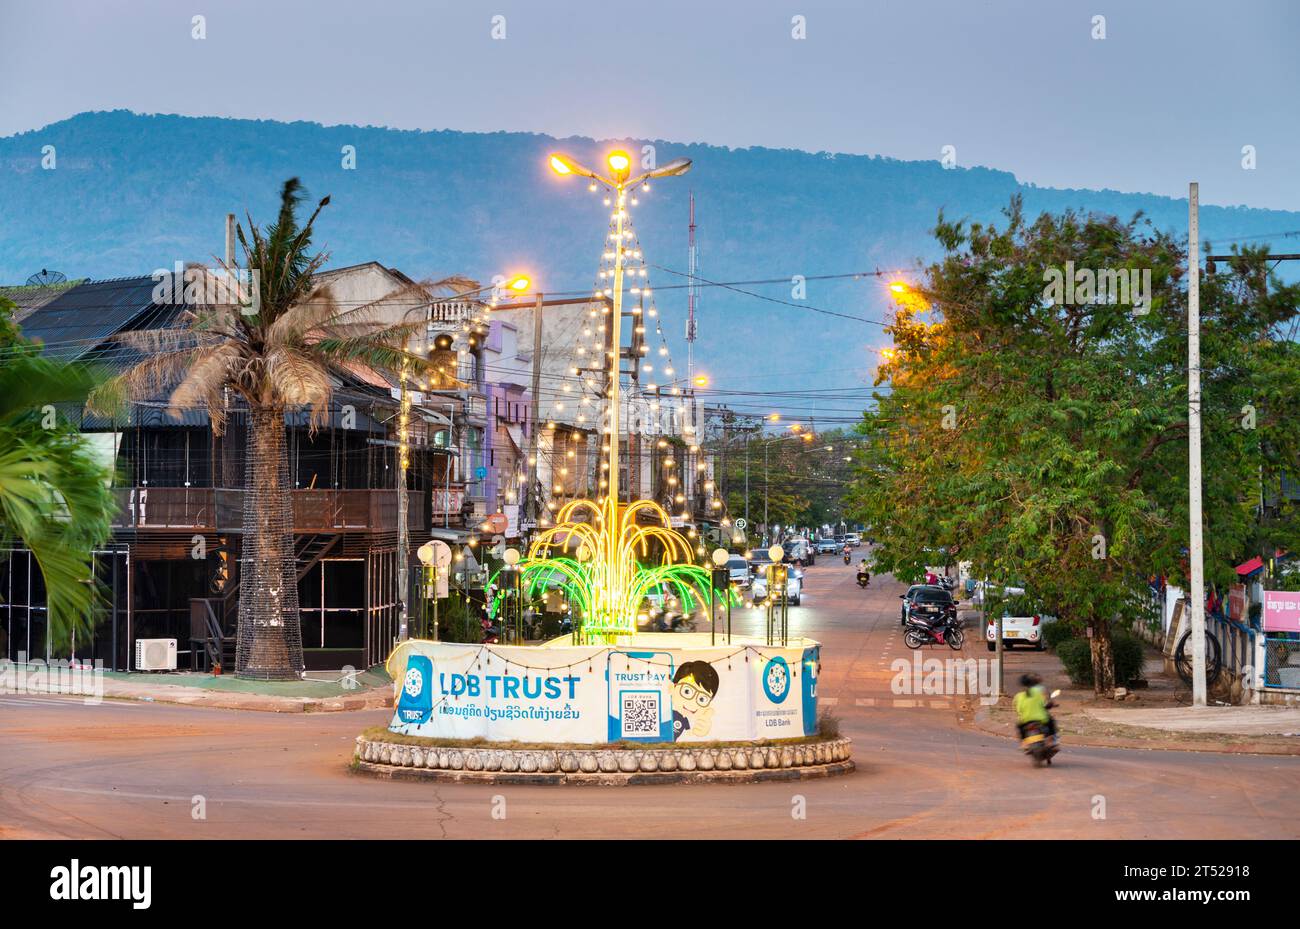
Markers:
point(1032, 704)
point(848, 556)
point(864, 575)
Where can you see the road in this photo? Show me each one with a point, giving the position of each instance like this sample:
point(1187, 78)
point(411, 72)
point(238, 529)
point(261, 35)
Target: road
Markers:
point(135, 770)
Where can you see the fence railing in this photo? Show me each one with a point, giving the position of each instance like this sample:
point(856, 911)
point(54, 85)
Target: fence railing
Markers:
point(221, 509)
point(1282, 661)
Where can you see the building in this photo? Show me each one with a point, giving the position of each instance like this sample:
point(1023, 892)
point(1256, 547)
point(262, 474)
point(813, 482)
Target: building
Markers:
point(172, 567)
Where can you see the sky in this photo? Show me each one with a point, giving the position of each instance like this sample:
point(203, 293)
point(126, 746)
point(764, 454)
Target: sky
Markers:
point(1173, 92)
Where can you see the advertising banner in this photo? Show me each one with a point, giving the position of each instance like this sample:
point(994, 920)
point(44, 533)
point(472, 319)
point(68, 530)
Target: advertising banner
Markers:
point(1281, 611)
point(595, 694)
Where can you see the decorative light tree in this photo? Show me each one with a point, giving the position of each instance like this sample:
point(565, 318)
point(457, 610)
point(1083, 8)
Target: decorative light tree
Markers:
point(607, 555)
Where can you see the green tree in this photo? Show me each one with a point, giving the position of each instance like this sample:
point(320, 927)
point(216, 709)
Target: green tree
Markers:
point(55, 497)
point(1045, 440)
point(278, 359)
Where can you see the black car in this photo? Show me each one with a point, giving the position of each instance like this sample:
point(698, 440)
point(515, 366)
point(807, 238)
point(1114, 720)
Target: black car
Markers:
point(933, 595)
point(932, 604)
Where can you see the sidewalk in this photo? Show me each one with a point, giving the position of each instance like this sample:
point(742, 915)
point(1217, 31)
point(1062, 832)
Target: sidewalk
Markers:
point(1158, 716)
point(369, 690)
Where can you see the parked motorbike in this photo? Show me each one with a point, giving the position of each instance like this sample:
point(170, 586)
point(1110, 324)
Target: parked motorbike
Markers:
point(1037, 743)
point(947, 631)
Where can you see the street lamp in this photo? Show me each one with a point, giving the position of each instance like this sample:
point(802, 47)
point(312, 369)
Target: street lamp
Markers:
point(620, 166)
point(516, 283)
point(721, 581)
point(511, 558)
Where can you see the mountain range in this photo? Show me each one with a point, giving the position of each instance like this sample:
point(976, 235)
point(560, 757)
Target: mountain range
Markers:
point(128, 193)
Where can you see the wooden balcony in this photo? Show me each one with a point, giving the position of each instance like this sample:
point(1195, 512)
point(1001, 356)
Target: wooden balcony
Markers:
point(221, 509)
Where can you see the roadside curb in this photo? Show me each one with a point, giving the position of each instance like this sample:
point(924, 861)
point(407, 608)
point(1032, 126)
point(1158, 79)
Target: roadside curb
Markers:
point(260, 703)
point(603, 765)
point(602, 779)
point(980, 721)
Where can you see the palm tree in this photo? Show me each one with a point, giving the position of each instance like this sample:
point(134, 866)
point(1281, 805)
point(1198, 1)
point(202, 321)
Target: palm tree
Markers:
point(278, 359)
point(55, 498)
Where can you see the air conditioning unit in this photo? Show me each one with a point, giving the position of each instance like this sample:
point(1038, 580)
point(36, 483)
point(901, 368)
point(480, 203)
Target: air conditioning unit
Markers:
point(155, 654)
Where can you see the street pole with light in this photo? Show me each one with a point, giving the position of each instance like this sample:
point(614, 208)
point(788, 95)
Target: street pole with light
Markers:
point(620, 181)
point(776, 575)
point(721, 581)
point(1196, 552)
point(532, 501)
point(511, 558)
point(404, 459)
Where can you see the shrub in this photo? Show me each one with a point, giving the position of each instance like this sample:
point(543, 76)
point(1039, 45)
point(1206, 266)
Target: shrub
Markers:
point(1076, 658)
point(828, 726)
point(1054, 633)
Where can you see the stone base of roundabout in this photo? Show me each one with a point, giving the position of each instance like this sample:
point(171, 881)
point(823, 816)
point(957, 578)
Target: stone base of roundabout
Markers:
point(605, 765)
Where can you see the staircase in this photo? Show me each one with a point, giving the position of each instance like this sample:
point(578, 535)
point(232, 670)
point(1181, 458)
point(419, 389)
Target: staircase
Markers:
point(211, 617)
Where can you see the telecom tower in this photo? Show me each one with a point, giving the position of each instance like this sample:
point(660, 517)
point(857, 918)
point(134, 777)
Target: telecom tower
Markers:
point(692, 297)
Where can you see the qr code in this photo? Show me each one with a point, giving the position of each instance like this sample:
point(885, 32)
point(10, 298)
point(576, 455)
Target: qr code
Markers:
point(640, 716)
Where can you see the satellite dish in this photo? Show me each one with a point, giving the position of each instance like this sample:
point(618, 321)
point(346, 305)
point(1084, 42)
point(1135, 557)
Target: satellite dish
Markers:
point(47, 277)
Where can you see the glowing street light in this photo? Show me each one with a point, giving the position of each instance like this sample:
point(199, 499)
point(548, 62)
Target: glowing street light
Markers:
point(614, 579)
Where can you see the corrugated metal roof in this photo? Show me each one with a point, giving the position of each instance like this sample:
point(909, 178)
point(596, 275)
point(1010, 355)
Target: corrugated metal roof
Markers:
point(79, 320)
point(30, 298)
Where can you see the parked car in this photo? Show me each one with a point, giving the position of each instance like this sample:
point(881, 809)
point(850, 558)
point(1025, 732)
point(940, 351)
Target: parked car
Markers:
point(797, 551)
point(793, 587)
point(913, 592)
point(1022, 624)
point(854, 539)
point(738, 571)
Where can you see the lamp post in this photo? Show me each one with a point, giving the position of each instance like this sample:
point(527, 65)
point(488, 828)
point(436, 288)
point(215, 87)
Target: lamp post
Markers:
point(511, 557)
point(427, 558)
point(619, 181)
point(518, 283)
point(531, 502)
point(720, 558)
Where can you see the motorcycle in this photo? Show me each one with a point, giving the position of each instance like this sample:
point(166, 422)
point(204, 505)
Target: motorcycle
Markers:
point(864, 578)
point(948, 632)
point(1037, 743)
point(847, 558)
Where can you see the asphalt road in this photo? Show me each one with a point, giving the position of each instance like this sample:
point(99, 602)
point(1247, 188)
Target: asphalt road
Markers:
point(136, 770)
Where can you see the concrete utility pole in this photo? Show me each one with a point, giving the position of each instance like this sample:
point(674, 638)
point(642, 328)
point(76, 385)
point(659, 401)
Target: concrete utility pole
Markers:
point(1195, 544)
point(230, 240)
point(533, 508)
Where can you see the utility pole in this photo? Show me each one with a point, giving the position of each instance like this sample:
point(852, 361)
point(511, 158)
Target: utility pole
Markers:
point(1195, 543)
point(403, 533)
point(746, 478)
point(230, 241)
point(533, 507)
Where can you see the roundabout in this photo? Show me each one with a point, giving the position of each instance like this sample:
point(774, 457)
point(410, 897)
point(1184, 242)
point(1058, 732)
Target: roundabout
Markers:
point(651, 707)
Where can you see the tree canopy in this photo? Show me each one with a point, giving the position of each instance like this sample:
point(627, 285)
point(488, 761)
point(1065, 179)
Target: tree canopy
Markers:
point(1044, 438)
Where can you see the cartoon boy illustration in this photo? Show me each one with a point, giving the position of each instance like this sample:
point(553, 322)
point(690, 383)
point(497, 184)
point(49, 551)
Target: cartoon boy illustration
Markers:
point(694, 686)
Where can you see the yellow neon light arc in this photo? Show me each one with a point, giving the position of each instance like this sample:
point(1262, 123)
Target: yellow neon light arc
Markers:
point(612, 576)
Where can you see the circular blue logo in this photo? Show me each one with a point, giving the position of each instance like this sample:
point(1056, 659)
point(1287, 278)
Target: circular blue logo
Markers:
point(776, 679)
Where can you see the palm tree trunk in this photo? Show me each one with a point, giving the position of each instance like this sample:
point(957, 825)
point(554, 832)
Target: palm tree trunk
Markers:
point(269, 643)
